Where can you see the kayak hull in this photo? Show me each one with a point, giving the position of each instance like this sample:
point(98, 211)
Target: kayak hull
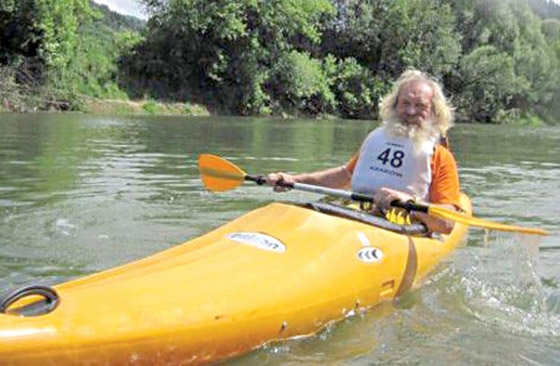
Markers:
point(278, 272)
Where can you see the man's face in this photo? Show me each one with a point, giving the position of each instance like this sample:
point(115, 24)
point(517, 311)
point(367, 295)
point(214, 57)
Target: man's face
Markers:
point(414, 106)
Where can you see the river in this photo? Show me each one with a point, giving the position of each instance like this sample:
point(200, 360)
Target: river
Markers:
point(81, 193)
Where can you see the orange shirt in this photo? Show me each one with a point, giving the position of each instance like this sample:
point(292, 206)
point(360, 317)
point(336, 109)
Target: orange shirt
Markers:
point(444, 188)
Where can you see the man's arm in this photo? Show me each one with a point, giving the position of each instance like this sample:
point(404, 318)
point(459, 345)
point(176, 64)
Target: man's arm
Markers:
point(385, 196)
point(445, 190)
point(338, 177)
point(436, 224)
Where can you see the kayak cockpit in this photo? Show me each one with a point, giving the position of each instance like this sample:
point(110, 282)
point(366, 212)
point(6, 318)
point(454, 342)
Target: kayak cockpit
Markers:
point(414, 229)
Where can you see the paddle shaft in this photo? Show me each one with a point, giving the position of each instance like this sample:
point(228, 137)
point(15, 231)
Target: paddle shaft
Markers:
point(360, 197)
point(221, 175)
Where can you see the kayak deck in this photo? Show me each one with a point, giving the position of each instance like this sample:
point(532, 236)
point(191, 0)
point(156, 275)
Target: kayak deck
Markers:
point(277, 272)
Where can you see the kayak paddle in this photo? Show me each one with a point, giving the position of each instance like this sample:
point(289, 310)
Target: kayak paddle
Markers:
point(220, 175)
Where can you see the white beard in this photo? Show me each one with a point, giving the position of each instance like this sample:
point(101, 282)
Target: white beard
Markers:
point(419, 134)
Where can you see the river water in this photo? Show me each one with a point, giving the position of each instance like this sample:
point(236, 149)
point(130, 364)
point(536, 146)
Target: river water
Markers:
point(80, 194)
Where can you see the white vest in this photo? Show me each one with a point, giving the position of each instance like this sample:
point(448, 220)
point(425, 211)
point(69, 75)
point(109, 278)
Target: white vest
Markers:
point(393, 162)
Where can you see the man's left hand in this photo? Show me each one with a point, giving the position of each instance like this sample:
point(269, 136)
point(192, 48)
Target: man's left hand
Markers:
point(385, 196)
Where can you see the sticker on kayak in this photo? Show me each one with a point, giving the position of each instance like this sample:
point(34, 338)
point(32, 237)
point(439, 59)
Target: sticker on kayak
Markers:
point(370, 255)
point(258, 240)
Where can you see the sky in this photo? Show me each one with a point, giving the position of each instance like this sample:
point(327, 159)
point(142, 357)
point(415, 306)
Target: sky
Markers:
point(128, 7)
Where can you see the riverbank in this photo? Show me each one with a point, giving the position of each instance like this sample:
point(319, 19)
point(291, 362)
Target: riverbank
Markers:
point(106, 106)
point(18, 102)
point(143, 107)
point(25, 102)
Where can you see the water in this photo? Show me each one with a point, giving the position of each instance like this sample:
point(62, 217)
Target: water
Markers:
point(79, 194)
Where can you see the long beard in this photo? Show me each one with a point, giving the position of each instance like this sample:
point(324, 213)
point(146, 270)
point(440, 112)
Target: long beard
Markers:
point(419, 134)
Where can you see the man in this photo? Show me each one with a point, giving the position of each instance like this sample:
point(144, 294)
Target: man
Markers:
point(401, 159)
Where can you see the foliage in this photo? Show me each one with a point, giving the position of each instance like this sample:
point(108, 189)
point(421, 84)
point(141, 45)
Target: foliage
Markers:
point(301, 84)
point(222, 51)
point(509, 66)
point(545, 9)
point(498, 60)
point(421, 34)
point(390, 36)
point(20, 42)
point(93, 68)
point(488, 83)
point(551, 29)
point(61, 49)
point(356, 89)
point(151, 107)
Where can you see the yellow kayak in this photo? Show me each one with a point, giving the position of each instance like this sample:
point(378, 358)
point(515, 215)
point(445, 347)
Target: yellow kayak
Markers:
point(277, 272)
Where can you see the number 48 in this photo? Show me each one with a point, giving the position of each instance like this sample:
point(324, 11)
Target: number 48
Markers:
point(395, 159)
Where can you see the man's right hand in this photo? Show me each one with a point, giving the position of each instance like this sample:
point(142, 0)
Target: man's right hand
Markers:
point(273, 179)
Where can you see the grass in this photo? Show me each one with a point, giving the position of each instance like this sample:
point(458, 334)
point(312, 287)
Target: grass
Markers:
point(143, 107)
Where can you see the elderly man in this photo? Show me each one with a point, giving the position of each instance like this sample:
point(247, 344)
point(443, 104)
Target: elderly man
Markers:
point(402, 158)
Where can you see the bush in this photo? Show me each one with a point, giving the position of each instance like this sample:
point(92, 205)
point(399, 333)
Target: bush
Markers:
point(488, 83)
point(357, 90)
point(300, 84)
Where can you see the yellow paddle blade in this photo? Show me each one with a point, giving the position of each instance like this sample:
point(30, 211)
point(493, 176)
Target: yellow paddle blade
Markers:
point(218, 174)
point(473, 221)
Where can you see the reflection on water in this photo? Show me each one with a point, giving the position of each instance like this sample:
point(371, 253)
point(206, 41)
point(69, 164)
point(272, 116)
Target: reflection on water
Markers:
point(79, 194)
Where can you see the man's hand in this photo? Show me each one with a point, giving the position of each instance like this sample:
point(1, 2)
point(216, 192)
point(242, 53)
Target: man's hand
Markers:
point(385, 196)
point(273, 179)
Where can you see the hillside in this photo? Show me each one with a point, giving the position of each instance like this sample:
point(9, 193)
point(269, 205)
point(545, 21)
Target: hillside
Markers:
point(116, 21)
point(545, 9)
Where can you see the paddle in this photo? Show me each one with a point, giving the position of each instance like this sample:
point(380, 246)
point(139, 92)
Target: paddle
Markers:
point(220, 175)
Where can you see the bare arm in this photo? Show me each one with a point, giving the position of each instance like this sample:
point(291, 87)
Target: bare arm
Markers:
point(436, 224)
point(338, 177)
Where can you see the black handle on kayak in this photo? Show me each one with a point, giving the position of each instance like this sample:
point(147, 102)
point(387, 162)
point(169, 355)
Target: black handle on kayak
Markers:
point(50, 295)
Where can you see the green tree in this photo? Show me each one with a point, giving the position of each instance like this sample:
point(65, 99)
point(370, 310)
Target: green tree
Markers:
point(20, 40)
point(534, 61)
point(551, 29)
point(505, 32)
point(300, 83)
point(60, 50)
point(488, 84)
point(486, 22)
point(224, 50)
point(390, 36)
point(40, 37)
point(357, 90)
